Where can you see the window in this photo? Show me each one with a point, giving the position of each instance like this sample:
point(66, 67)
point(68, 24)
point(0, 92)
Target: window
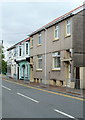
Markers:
point(39, 62)
point(17, 51)
point(20, 50)
point(15, 69)
point(26, 48)
point(56, 33)
point(32, 42)
point(68, 27)
point(39, 39)
point(14, 52)
point(56, 60)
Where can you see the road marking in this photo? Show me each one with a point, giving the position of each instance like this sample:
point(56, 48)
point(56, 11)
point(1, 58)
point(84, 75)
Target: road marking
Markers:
point(28, 98)
point(61, 94)
point(65, 114)
point(5, 87)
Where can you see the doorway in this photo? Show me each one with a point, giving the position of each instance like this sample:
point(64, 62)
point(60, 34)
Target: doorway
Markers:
point(77, 78)
point(18, 73)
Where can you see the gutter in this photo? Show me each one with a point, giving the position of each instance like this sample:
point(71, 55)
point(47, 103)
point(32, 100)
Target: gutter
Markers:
point(59, 19)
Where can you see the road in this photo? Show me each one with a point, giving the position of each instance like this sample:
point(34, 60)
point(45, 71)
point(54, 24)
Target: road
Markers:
point(20, 101)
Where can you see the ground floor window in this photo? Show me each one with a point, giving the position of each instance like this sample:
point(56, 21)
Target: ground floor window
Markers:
point(56, 60)
point(39, 62)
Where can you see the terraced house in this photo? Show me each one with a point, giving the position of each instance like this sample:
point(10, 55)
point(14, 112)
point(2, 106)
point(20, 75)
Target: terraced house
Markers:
point(19, 56)
point(57, 52)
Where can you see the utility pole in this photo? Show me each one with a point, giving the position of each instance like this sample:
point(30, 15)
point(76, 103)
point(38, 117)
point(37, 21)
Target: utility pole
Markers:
point(1, 45)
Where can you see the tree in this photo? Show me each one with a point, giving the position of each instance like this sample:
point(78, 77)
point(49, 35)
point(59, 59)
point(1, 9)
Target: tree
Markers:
point(3, 63)
point(4, 67)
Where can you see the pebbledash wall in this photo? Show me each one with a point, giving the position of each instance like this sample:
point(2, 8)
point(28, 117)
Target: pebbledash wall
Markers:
point(11, 64)
point(56, 53)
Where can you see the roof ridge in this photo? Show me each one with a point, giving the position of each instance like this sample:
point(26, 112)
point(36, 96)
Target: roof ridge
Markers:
point(59, 18)
point(26, 39)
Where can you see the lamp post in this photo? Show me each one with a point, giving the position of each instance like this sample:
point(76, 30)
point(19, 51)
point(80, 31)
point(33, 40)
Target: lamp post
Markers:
point(1, 44)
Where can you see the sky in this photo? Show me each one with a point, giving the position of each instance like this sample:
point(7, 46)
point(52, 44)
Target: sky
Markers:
point(20, 18)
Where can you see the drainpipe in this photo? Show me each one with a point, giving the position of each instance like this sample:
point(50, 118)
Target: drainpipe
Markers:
point(45, 53)
point(1, 44)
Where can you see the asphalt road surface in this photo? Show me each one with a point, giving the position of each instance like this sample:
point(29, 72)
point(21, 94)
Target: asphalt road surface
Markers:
point(19, 101)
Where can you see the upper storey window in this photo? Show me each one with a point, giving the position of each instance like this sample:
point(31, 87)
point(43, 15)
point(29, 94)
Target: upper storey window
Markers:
point(68, 27)
point(39, 39)
point(56, 32)
point(32, 40)
point(14, 52)
point(27, 48)
point(20, 51)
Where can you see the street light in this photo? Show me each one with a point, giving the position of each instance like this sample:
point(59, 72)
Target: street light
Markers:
point(1, 44)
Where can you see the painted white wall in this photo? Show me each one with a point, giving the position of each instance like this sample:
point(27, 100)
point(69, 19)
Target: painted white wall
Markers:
point(11, 61)
point(82, 77)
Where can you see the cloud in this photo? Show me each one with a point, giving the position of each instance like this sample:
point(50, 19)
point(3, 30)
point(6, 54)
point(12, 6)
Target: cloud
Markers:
point(21, 18)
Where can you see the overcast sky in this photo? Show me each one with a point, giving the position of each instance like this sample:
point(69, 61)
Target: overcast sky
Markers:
point(18, 19)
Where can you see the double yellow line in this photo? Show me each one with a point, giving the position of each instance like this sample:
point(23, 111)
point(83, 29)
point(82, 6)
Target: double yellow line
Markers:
point(77, 98)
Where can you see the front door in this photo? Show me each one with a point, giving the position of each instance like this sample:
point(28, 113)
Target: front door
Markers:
point(17, 72)
point(77, 79)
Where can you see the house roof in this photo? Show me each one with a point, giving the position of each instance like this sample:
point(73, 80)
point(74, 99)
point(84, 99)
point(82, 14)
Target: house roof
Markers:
point(71, 13)
point(18, 43)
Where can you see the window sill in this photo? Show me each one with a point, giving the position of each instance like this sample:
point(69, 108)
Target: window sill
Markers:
point(31, 47)
point(38, 45)
point(56, 69)
point(38, 70)
point(55, 39)
point(68, 35)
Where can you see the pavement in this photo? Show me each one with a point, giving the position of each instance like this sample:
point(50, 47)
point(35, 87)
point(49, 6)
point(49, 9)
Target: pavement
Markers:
point(21, 100)
point(64, 90)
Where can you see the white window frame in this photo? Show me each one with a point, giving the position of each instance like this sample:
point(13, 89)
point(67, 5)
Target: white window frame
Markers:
point(26, 48)
point(23, 49)
point(15, 68)
point(55, 55)
point(17, 51)
point(39, 57)
point(32, 40)
point(68, 27)
point(14, 52)
point(39, 39)
point(20, 47)
point(56, 32)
